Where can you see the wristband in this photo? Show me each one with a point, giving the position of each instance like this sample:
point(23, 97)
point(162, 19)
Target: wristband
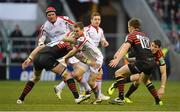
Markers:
point(163, 86)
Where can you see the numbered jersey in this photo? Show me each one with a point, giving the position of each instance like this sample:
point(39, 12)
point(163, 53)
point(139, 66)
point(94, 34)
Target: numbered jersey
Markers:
point(141, 45)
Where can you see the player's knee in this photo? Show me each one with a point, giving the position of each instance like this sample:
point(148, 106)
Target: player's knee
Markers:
point(118, 73)
point(91, 83)
point(78, 79)
point(136, 78)
point(35, 79)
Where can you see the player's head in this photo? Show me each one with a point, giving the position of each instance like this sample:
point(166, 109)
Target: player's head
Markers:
point(95, 19)
point(78, 29)
point(51, 14)
point(134, 24)
point(155, 46)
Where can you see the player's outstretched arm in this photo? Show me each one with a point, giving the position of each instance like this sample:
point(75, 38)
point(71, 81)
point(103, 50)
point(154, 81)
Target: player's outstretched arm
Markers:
point(119, 55)
point(28, 61)
point(163, 80)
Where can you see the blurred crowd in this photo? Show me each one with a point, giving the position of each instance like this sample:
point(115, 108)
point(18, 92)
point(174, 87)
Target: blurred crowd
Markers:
point(19, 1)
point(21, 45)
point(169, 13)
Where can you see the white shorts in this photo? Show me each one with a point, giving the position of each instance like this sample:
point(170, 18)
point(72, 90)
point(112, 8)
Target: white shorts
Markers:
point(73, 60)
point(99, 60)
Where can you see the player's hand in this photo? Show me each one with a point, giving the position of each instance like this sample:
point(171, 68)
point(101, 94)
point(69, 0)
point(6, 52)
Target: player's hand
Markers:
point(66, 60)
point(160, 92)
point(114, 62)
point(26, 63)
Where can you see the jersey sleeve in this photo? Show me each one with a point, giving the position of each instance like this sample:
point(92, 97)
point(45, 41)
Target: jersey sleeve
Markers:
point(102, 35)
point(161, 58)
point(42, 36)
point(69, 21)
point(129, 39)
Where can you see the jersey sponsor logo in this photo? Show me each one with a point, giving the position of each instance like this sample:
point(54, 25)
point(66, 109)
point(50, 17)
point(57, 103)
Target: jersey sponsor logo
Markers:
point(162, 61)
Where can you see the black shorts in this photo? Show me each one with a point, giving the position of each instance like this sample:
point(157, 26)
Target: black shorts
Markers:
point(44, 61)
point(146, 66)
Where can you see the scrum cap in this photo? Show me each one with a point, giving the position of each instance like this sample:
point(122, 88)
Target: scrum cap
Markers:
point(50, 9)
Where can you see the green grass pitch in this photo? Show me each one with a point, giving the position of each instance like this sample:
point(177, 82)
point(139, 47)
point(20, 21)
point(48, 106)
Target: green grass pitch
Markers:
point(42, 98)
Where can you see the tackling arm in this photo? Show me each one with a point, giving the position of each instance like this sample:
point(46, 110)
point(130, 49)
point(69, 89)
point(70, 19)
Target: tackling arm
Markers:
point(70, 54)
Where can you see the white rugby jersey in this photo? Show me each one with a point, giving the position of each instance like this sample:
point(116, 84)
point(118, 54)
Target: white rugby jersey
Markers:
point(95, 33)
point(55, 32)
point(88, 47)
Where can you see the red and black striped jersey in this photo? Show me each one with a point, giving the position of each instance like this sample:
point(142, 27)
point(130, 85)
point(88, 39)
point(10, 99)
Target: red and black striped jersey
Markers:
point(57, 51)
point(140, 44)
point(159, 58)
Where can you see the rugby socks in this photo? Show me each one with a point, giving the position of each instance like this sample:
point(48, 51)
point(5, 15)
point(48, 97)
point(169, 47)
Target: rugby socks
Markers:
point(81, 89)
point(99, 84)
point(61, 85)
point(27, 89)
point(72, 86)
point(132, 88)
point(96, 91)
point(120, 82)
point(153, 92)
point(120, 86)
point(83, 84)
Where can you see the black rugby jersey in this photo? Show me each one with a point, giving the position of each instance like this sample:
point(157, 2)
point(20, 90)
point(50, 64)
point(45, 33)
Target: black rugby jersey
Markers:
point(140, 44)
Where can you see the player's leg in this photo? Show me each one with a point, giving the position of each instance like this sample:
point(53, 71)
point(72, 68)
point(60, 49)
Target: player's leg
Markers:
point(121, 79)
point(60, 69)
point(58, 88)
point(99, 84)
point(94, 87)
point(29, 85)
point(130, 91)
point(67, 77)
point(37, 69)
point(79, 70)
point(85, 77)
point(151, 88)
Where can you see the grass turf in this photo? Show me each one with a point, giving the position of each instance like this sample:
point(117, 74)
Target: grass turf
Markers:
point(42, 98)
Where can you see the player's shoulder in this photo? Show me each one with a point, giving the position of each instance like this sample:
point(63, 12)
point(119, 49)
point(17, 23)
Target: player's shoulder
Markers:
point(160, 53)
point(135, 33)
point(87, 28)
point(46, 25)
point(100, 29)
point(63, 17)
